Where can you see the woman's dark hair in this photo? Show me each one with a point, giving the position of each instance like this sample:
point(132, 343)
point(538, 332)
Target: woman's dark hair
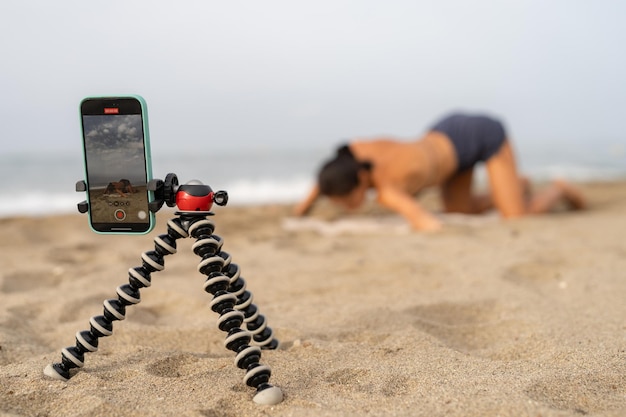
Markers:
point(339, 176)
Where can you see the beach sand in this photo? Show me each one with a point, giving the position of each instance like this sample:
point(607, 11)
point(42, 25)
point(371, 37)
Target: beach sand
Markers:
point(485, 318)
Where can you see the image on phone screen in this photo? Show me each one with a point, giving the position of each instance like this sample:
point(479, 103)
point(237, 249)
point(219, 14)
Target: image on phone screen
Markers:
point(116, 166)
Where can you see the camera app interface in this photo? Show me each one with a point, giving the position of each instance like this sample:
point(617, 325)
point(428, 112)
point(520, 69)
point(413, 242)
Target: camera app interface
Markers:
point(115, 159)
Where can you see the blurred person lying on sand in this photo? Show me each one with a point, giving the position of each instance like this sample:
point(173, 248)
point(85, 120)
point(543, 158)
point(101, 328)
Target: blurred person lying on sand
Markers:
point(445, 156)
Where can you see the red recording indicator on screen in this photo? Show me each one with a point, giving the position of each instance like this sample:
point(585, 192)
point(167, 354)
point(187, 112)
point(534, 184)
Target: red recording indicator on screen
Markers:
point(111, 110)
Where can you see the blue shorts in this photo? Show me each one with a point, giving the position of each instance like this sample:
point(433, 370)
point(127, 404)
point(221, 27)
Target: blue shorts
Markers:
point(475, 138)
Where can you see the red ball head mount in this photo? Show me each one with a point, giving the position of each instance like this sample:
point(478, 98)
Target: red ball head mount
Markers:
point(192, 197)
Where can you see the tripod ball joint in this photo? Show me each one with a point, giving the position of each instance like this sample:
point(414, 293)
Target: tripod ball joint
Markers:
point(189, 197)
point(196, 196)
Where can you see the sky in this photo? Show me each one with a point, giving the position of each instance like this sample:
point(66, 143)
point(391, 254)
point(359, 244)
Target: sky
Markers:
point(114, 145)
point(284, 74)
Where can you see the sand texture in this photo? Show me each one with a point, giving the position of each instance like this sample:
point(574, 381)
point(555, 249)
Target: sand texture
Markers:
point(485, 318)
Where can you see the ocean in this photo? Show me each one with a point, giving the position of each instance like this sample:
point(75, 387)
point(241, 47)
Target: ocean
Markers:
point(39, 183)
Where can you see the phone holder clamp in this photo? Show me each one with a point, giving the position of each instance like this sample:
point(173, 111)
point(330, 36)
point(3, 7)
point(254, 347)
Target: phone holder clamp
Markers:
point(83, 206)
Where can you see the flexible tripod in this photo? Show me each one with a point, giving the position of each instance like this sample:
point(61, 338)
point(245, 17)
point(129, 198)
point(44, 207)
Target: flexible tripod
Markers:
point(230, 300)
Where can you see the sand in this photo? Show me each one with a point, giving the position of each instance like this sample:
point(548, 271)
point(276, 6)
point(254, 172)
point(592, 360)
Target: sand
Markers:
point(485, 318)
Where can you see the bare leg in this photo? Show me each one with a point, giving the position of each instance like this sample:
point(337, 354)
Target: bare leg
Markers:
point(457, 196)
point(511, 193)
point(507, 187)
point(559, 191)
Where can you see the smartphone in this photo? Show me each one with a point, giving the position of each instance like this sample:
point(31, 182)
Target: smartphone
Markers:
point(116, 149)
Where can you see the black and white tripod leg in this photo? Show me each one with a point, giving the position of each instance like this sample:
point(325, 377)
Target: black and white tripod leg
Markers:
point(208, 246)
point(115, 309)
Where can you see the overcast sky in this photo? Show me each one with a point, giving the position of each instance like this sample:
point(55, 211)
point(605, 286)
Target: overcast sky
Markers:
point(231, 74)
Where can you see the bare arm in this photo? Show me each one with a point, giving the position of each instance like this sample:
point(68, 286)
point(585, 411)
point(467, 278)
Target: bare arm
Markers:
point(302, 208)
point(402, 203)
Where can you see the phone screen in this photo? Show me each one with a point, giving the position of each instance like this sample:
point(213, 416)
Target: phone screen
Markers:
point(117, 164)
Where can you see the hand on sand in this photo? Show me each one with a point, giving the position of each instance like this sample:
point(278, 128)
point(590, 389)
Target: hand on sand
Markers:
point(427, 224)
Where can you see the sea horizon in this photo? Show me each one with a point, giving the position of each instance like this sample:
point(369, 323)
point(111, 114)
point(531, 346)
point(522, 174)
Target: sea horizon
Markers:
point(43, 182)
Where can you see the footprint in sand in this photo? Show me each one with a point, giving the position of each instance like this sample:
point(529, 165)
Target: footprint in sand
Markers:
point(475, 328)
point(537, 274)
point(223, 408)
point(350, 379)
point(582, 394)
point(82, 308)
point(398, 385)
point(174, 366)
point(23, 281)
point(364, 381)
point(75, 254)
point(19, 337)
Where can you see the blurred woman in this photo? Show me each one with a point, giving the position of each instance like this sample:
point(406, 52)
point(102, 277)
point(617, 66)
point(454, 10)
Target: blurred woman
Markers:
point(445, 157)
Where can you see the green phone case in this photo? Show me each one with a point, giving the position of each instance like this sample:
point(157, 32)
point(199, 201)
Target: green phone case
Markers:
point(147, 156)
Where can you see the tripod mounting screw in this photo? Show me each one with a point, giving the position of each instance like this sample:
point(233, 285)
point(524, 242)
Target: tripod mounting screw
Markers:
point(170, 187)
point(220, 198)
